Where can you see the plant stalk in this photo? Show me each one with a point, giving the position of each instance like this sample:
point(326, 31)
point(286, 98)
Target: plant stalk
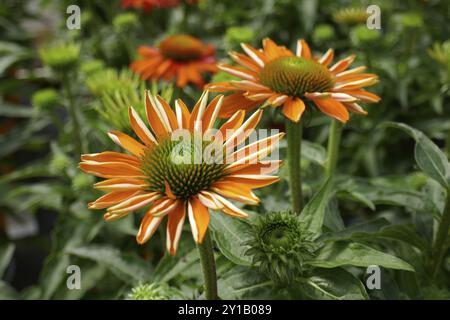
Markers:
point(334, 139)
point(440, 242)
point(294, 147)
point(76, 128)
point(208, 263)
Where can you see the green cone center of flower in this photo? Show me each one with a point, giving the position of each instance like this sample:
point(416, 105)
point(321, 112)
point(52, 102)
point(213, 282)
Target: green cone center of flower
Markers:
point(279, 235)
point(294, 76)
point(182, 48)
point(187, 166)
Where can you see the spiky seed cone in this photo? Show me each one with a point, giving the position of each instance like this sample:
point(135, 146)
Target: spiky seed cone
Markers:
point(280, 245)
point(295, 76)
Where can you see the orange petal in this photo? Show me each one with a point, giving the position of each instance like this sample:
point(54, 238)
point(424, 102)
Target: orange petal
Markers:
point(211, 112)
point(237, 101)
point(303, 49)
point(363, 95)
point(234, 122)
point(163, 206)
point(326, 59)
point(293, 109)
point(229, 208)
point(209, 200)
point(127, 142)
point(245, 61)
point(342, 64)
point(121, 184)
point(140, 128)
point(333, 108)
point(238, 72)
point(159, 127)
point(134, 203)
point(260, 147)
point(149, 225)
point(257, 56)
point(174, 227)
point(252, 181)
point(243, 131)
point(238, 192)
point(167, 110)
point(198, 110)
point(198, 218)
point(111, 169)
point(262, 167)
point(182, 113)
point(111, 156)
point(112, 198)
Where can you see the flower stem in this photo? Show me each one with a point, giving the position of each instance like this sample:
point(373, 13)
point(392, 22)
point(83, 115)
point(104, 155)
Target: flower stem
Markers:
point(294, 147)
point(206, 252)
point(439, 246)
point(76, 129)
point(334, 139)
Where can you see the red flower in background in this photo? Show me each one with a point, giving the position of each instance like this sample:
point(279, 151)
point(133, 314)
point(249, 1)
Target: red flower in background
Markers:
point(148, 5)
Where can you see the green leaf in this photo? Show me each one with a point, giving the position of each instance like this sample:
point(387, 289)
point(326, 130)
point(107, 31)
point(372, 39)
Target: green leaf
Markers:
point(6, 254)
point(314, 152)
point(169, 267)
point(245, 283)
point(15, 111)
point(386, 191)
point(229, 235)
point(336, 284)
point(380, 229)
point(7, 292)
point(126, 268)
point(38, 169)
point(18, 137)
point(429, 157)
point(341, 253)
point(313, 213)
point(369, 227)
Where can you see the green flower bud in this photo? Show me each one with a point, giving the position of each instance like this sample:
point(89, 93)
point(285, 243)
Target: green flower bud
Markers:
point(91, 66)
point(361, 35)
point(60, 57)
point(45, 99)
point(59, 163)
point(350, 16)
point(125, 22)
point(322, 33)
point(234, 36)
point(441, 53)
point(82, 181)
point(280, 245)
point(153, 291)
point(117, 91)
point(411, 20)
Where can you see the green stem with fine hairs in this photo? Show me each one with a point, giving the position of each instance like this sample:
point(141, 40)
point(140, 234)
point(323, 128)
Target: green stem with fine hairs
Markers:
point(334, 139)
point(294, 147)
point(208, 263)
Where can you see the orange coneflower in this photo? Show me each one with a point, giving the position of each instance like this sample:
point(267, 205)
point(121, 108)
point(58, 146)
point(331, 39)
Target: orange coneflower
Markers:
point(180, 56)
point(150, 176)
point(279, 77)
